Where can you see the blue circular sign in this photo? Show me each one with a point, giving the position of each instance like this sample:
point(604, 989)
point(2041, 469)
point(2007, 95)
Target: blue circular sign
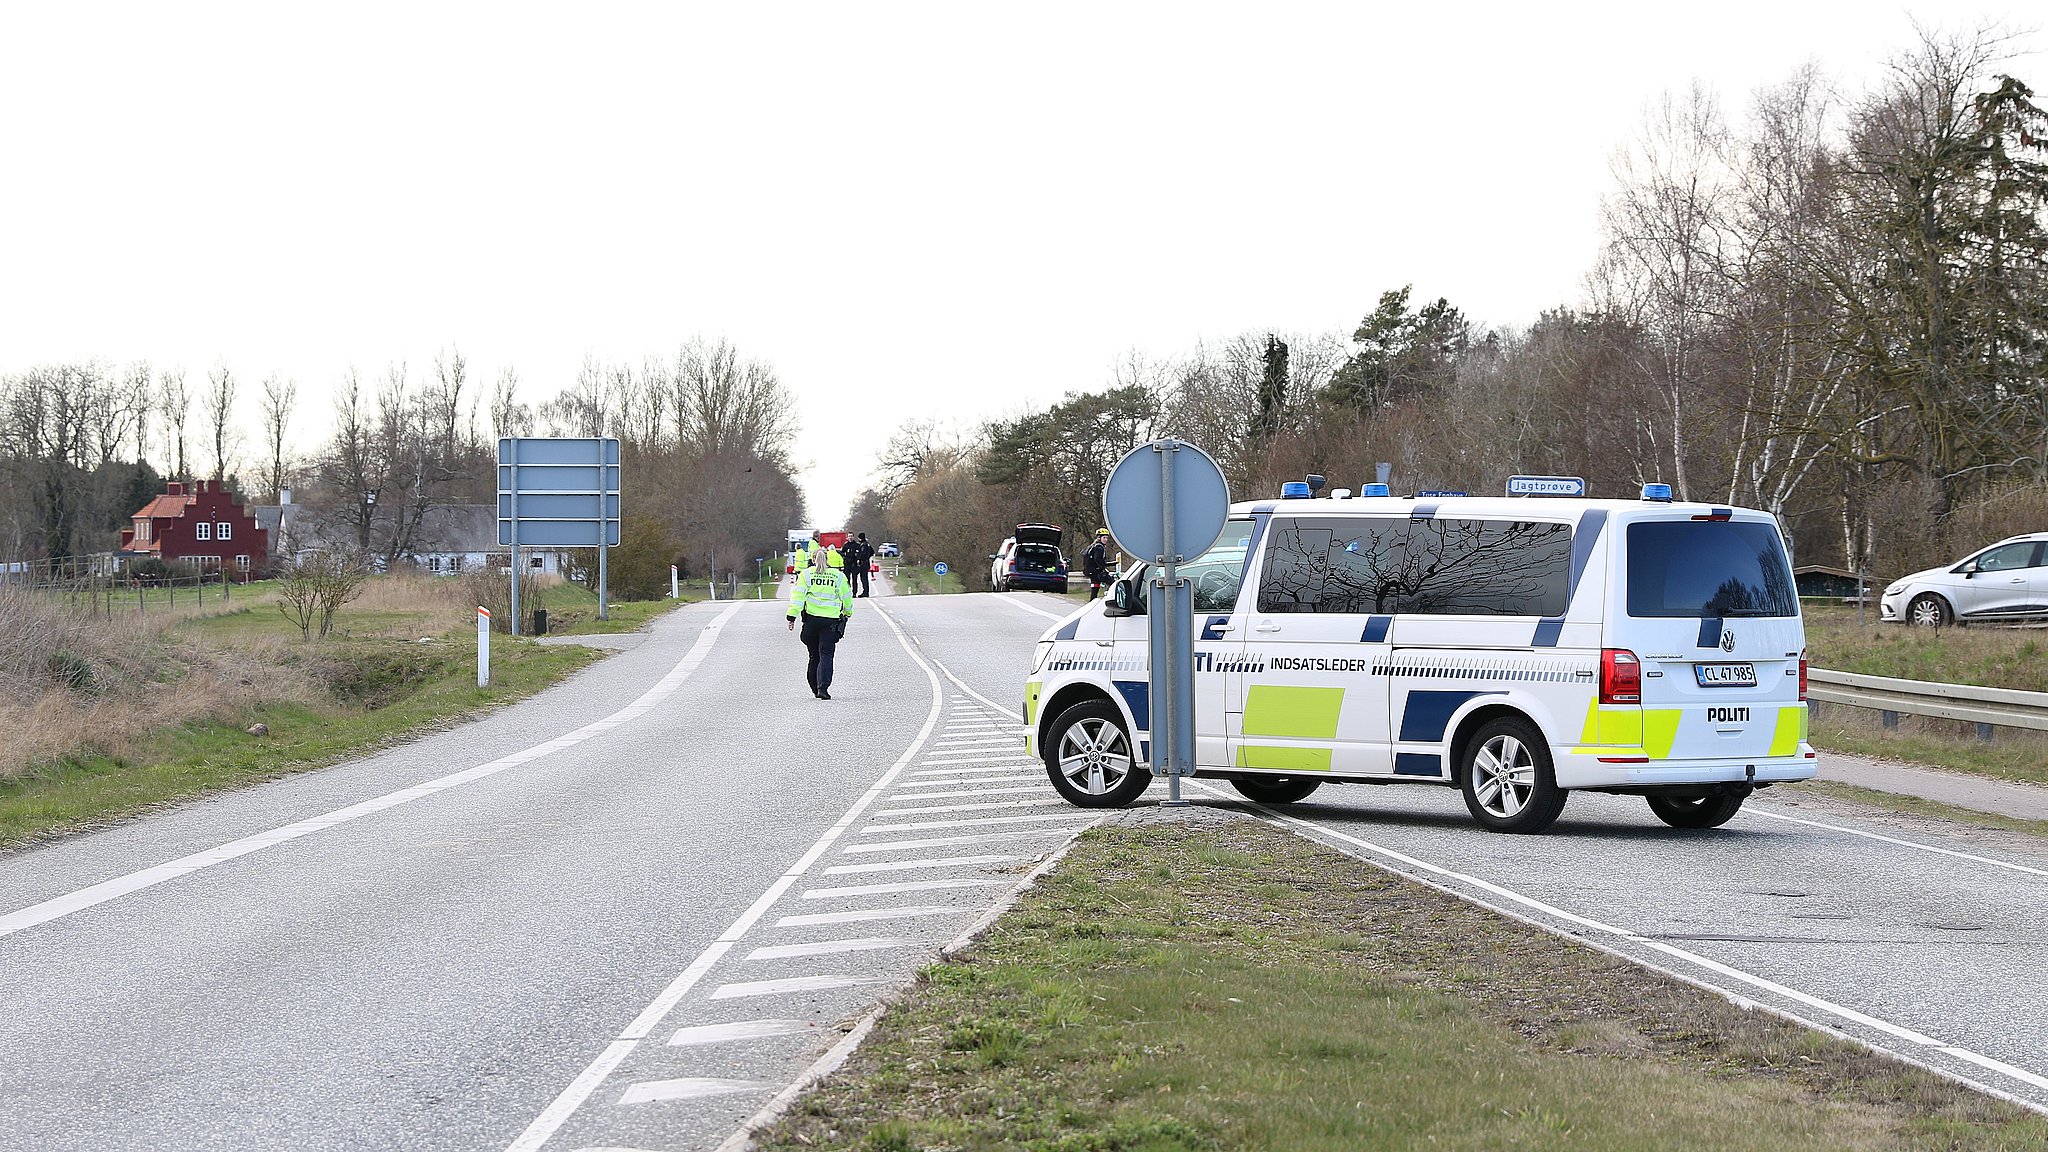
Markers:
point(939, 569)
point(1133, 501)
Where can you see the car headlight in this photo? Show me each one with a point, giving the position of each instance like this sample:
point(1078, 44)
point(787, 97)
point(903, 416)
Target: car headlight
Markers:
point(1895, 589)
point(1038, 656)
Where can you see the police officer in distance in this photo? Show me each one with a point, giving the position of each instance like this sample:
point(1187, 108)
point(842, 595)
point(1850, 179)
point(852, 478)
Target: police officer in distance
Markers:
point(825, 604)
point(859, 556)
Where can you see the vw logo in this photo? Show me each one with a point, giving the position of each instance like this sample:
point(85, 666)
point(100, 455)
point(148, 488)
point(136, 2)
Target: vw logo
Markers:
point(1727, 640)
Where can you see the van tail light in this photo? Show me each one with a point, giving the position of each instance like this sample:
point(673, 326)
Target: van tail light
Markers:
point(1802, 675)
point(1621, 677)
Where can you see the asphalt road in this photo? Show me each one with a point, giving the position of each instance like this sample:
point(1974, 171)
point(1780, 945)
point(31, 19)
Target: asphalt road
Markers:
point(629, 912)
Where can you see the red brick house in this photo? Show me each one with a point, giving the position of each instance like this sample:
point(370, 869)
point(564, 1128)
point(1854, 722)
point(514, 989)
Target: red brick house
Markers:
point(201, 522)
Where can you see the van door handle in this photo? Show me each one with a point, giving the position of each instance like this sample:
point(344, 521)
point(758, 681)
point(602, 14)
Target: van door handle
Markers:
point(1269, 626)
point(1225, 627)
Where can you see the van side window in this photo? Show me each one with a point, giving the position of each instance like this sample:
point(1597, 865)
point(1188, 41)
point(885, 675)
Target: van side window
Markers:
point(1334, 564)
point(1485, 568)
point(1216, 574)
point(1438, 566)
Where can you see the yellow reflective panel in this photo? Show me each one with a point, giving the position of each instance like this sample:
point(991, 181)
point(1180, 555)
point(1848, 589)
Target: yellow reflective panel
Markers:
point(1284, 759)
point(1302, 713)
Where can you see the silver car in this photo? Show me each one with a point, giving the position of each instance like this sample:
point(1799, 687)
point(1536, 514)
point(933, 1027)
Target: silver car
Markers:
point(2004, 582)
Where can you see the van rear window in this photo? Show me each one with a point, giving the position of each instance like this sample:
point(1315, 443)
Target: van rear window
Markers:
point(1036, 558)
point(1705, 569)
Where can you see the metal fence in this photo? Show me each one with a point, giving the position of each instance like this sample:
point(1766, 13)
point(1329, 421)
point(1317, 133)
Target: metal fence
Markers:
point(1988, 708)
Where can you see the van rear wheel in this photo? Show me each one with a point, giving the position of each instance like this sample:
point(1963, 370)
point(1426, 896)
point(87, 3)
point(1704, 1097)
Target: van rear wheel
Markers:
point(1507, 778)
point(1275, 789)
point(1695, 811)
point(1089, 757)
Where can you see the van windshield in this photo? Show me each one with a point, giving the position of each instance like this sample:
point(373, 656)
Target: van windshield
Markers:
point(1707, 569)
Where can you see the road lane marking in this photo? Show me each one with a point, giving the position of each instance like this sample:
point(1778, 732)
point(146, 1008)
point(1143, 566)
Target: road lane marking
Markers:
point(900, 886)
point(61, 906)
point(977, 770)
point(739, 1030)
point(749, 988)
point(1040, 801)
point(1936, 849)
point(910, 796)
point(689, 1088)
point(831, 947)
point(976, 822)
point(1829, 1007)
point(1021, 606)
point(943, 841)
point(908, 865)
point(864, 915)
point(557, 1113)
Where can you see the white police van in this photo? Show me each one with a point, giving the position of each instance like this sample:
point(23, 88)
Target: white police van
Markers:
point(1517, 648)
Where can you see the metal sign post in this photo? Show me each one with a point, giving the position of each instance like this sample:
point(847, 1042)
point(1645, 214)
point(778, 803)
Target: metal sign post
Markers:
point(1166, 501)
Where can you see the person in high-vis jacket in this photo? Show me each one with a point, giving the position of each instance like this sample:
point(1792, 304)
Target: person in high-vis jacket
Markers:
point(824, 604)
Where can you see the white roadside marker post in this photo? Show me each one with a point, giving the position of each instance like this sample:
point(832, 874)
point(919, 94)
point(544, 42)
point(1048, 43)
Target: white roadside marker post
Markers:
point(483, 646)
point(675, 584)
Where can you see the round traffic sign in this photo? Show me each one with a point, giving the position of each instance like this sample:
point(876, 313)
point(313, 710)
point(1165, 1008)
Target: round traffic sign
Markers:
point(1133, 502)
point(939, 569)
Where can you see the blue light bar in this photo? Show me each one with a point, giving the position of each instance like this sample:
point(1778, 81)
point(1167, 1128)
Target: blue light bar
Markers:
point(1294, 490)
point(1657, 492)
point(1375, 490)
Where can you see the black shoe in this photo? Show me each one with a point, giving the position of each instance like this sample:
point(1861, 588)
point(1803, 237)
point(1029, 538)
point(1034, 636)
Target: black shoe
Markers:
point(824, 695)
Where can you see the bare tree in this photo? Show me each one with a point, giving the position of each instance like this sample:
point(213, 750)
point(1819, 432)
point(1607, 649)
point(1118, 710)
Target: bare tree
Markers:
point(1666, 237)
point(279, 395)
point(220, 413)
point(176, 405)
point(508, 416)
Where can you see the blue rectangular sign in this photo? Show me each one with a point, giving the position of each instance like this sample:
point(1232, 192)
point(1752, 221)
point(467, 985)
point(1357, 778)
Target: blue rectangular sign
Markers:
point(562, 492)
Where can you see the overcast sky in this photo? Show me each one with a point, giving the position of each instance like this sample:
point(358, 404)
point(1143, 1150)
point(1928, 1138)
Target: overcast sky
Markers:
point(952, 211)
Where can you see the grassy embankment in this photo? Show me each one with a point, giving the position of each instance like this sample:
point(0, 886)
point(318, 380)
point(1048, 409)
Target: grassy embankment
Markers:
point(102, 718)
point(1991, 657)
point(1183, 987)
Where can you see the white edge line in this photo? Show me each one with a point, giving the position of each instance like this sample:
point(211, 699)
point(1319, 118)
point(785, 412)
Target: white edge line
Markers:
point(1902, 843)
point(1735, 998)
point(579, 1090)
point(1019, 604)
point(60, 906)
point(831, 1060)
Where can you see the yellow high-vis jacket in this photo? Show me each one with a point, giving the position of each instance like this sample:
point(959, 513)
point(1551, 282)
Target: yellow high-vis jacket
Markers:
point(833, 558)
point(822, 592)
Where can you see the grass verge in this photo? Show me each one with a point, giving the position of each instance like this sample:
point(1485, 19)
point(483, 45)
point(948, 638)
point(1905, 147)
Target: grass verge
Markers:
point(1234, 987)
point(924, 582)
point(387, 691)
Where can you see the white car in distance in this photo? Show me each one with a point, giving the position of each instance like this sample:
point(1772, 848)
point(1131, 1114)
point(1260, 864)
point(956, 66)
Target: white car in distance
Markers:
point(2003, 583)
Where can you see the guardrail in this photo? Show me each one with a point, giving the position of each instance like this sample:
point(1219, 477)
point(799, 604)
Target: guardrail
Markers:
point(1987, 708)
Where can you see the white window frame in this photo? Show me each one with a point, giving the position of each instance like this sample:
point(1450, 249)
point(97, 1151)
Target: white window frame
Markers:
point(224, 530)
point(203, 530)
point(241, 563)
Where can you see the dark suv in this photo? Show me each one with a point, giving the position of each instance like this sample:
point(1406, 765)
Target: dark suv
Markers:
point(1030, 559)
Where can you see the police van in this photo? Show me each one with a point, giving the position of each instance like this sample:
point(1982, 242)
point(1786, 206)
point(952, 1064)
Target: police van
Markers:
point(1517, 648)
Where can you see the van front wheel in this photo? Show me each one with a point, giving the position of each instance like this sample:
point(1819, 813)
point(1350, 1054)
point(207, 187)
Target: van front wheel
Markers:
point(1507, 778)
point(1090, 759)
point(1695, 811)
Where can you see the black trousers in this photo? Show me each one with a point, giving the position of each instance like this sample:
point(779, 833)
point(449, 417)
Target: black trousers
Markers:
point(858, 578)
point(821, 637)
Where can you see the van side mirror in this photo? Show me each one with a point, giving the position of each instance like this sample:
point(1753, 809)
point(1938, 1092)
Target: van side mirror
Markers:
point(1123, 600)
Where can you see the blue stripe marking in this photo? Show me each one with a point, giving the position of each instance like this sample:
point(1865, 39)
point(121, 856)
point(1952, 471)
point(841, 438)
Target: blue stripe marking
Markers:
point(1209, 631)
point(1710, 632)
point(1376, 628)
point(1418, 764)
point(1546, 633)
point(1422, 512)
point(1068, 629)
point(1137, 694)
point(1592, 523)
point(1427, 714)
point(1263, 509)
